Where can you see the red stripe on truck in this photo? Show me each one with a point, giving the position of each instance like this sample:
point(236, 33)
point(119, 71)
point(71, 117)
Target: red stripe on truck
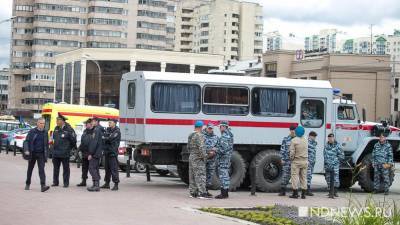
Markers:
point(189, 122)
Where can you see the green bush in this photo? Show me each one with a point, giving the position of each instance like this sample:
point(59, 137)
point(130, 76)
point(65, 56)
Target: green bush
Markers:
point(260, 215)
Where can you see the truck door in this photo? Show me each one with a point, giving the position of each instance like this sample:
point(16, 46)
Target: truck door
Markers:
point(313, 118)
point(347, 126)
point(130, 114)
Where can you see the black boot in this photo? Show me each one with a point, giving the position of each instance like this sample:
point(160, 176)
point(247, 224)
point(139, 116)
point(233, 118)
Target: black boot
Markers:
point(223, 195)
point(115, 188)
point(27, 187)
point(309, 193)
point(283, 192)
point(95, 187)
point(106, 185)
point(335, 193)
point(295, 194)
point(82, 184)
point(303, 194)
point(44, 188)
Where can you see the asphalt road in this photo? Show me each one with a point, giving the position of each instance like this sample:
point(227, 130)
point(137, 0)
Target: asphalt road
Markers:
point(164, 200)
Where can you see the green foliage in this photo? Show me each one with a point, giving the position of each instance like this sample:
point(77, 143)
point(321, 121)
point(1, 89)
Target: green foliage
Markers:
point(260, 215)
point(370, 212)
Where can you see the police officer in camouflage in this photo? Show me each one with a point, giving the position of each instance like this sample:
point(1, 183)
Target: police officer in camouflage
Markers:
point(312, 147)
point(197, 163)
point(333, 155)
point(382, 161)
point(286, 168)
point(211, 143)
point(112, 139)
point(224, 154)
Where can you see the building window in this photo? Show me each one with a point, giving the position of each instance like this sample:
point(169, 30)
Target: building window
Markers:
point(270, 70)
point(313, 78)
point(204, 49)
point(152, 14)
point(175, 98)
point(396, 83)
point(77, 82)
point(226, 100)
point(396, 105)
point(273, 102)
point(26, 8)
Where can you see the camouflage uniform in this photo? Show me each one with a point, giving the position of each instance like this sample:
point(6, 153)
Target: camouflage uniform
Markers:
point(312, 146)
point(382, 154)
point(333, 154)
point(224, 153)
point(197, 164)
point(210, 141)
point(286, 168)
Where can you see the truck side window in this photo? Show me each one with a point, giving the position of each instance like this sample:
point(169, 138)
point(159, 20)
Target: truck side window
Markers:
point(346, 113)
point(131, 95)
point(312, 113)
point(226, 100)
point(175, 98)
point(273, 102)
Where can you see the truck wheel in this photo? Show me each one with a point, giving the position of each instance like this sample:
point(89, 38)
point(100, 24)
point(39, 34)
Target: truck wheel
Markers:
point(162, 173)
point(366, 175)
point(183, 171)
point(237, 173)
point(346, 179)
point(268, 170)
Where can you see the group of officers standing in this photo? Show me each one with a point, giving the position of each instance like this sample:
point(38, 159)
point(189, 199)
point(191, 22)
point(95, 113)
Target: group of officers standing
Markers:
point(207, 151)
point(298, 157)
point(96, 141)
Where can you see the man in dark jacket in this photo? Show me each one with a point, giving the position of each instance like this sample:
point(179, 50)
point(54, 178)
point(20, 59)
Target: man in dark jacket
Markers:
point(38, 146)
point(112, 139)
point(95, 152)
point(84, 149)
point(96, 124)
point(64, 139)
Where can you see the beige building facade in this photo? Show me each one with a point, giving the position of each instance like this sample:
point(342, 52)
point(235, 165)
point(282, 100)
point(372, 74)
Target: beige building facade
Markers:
point(365, 79)
point(42, 29)
point(227, 27)
point(92, 76)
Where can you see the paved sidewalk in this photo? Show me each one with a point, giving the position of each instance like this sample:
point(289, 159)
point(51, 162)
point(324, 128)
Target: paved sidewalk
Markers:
point(163, 201)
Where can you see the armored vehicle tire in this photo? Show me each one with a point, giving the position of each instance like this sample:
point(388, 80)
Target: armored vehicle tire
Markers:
point(268, 170)
point(237, 173)
point(163, 173)
point(366, 175)
point(346, 179)
point(183, 171)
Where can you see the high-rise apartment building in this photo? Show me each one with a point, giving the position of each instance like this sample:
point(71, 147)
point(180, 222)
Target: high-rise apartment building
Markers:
point(325, 41)
point(276, 41)
point(4, 77)
point(226, 27)
point(42, 29)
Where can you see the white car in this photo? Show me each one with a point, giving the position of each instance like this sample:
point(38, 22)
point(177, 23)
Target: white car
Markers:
point(18, 139)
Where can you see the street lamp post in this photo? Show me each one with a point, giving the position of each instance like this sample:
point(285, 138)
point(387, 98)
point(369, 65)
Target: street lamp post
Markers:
point(87, 57)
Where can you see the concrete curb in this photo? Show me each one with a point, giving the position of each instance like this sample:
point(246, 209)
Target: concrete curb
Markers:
point(193, 210)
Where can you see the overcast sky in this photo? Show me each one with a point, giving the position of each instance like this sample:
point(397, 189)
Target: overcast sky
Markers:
point(300, 17)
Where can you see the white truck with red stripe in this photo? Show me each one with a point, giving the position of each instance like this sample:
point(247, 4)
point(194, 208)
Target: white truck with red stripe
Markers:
point(158, 110)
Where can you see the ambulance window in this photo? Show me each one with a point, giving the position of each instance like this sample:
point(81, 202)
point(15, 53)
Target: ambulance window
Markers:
point(312, 113)
point(346, 113)
point(131, 95)
point(226, 100)
point(175, 98)
point(47, 121)
point(273, 102)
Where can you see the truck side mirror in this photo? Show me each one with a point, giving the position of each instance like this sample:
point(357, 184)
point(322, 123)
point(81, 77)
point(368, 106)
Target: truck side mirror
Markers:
point(364, 114)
